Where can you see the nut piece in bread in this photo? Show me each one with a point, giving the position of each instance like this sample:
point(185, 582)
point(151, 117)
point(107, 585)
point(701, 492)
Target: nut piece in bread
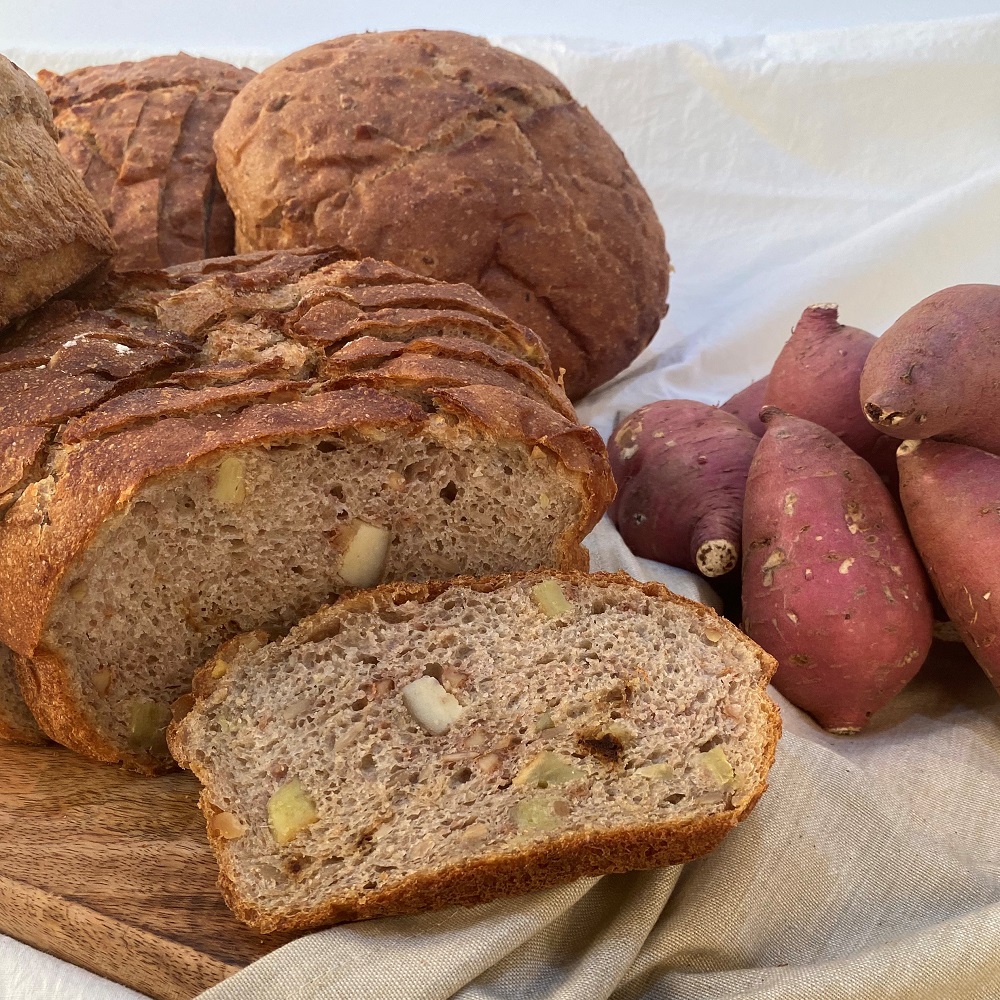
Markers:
point(140, 136)
point(51, 232)
point(455, 159)
point(660, 744)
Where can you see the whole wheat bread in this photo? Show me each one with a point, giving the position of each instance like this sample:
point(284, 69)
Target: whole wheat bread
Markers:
point(140, 136)
point(180, 469)
point(459, 160)
point(52, 233)
point(591, 724)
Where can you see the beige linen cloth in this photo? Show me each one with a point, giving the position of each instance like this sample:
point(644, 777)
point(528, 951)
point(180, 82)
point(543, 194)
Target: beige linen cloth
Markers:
point(858, 166)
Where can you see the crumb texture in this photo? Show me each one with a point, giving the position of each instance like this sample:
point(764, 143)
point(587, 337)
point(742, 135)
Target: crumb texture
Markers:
point(617, 728)
point(207, 562)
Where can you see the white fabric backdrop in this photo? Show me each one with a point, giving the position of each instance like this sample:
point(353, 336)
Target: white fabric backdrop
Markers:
point(860, 166)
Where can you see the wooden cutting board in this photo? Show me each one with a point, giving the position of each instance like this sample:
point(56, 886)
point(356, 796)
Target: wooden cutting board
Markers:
point(114, 873)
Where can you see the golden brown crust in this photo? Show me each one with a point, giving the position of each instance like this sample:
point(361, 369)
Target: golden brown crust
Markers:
point(460, 160)
point(146, 406)
point(441, 362)
point(535, 867)
point(491, 877)
point(140, 136)
point(51, 232)
point(21, 449)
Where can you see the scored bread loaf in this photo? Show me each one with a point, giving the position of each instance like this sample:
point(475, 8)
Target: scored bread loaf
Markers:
point(140, 136)
point(180, 470)
point(419, 746)
point(51, 232)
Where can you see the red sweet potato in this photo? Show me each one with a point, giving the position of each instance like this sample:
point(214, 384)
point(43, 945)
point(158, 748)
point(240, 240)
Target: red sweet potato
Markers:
point(951, 498)
point(936, 371)
point(681, 467)
point(832, 586)
point(746, 405)
point(817, 376)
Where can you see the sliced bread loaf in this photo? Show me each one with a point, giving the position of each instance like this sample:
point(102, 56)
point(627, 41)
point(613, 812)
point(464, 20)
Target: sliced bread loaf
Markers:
point(418, 746)
point(180, 469)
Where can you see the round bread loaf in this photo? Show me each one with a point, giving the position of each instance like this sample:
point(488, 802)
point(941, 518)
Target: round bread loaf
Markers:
point(461, 161)
point(51, 232)
point(140, 135)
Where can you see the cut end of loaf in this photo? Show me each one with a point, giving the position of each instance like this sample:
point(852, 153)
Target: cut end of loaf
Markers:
point(260, 537)
point(717, 557)
point(416, 747)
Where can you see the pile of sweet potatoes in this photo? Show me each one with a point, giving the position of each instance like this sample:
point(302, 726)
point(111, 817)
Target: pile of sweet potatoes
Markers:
point(843, 534)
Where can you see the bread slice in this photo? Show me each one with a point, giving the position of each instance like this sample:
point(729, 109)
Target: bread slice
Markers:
point(52, 233)
point(164, 539)
point(17, 724)
point(418, 746)
point(179, 468)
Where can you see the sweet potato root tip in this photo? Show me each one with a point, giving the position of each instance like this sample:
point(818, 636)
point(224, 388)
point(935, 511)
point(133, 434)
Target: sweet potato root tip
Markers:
point(883, 418)
point(908, 447)
point(717, 557)
point(681, 467)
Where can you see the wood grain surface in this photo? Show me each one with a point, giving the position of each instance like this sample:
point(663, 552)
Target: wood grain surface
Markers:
point(114, 873)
